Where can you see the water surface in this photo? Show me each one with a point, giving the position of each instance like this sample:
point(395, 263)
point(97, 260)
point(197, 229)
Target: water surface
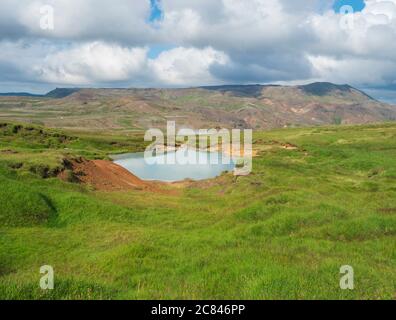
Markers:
point(188, 164)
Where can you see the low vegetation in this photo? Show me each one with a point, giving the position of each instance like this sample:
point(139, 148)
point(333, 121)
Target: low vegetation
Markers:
point(282, 232)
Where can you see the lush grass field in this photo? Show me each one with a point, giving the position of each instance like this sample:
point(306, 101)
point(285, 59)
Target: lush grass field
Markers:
point(281, 233)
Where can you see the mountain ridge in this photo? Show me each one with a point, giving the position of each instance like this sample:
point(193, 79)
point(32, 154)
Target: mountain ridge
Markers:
point(19, 94)
point(316, 88)
point(231, 106)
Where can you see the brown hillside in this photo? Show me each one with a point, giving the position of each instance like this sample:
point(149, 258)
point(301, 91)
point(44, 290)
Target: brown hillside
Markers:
point(255, 106)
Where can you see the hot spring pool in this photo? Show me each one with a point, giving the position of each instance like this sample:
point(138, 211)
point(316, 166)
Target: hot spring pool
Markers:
point(188, 164)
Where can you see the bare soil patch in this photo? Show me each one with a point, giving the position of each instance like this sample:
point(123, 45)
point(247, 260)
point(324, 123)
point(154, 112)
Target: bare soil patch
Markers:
point(105, 175)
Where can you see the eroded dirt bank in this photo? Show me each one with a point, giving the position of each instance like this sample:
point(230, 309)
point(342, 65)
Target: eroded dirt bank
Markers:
point(105, 175)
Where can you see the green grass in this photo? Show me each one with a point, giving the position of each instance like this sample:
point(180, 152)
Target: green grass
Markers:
point(281, 233)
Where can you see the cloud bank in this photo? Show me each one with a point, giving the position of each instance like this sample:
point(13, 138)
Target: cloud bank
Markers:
point(102, 43)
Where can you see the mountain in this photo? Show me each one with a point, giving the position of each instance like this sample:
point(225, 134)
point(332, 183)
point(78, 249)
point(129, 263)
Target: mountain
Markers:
point(230, 106)
point(61, 92)
point(325, 88)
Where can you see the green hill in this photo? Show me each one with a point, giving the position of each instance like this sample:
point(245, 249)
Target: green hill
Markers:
point(282, 232)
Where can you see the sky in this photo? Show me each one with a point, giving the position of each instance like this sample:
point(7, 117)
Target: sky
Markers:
point(183, 43)
point(358, 5)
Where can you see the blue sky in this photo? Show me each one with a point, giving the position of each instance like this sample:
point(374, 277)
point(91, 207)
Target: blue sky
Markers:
point(155, 50)
point(358, 5)
point(156, 12)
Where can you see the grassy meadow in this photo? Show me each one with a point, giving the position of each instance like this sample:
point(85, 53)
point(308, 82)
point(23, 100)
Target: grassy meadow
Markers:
point(282, 232)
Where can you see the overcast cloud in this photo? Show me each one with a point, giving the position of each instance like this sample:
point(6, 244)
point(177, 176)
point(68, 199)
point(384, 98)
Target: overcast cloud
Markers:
point(110, 43)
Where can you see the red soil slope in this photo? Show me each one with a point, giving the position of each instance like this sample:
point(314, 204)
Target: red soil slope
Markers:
point(107, 176)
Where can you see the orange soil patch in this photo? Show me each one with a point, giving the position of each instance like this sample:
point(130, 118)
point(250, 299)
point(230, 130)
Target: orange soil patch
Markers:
point(289, 146)
point(232, 150)
point(107, 176)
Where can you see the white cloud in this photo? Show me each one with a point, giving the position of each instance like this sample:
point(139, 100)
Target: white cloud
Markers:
point(92, 63)
point(352, 70)
point(214, 41)
point(122, 20)
point(100, 62)
point(361, 55)
point(234, 25)
point(187, 66)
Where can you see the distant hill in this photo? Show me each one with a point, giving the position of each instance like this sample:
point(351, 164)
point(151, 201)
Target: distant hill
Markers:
point(19, 94)
point(56, 93)
point(61, 92)
point(325, 88)
point(253, 90)
point(230, 106)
